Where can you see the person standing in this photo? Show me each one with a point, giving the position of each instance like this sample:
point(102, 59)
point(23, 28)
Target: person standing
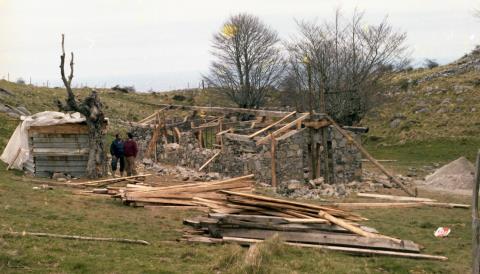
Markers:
point(131, 150)
point(118, 155)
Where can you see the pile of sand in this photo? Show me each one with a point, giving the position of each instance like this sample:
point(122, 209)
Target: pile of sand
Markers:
point(456, 175)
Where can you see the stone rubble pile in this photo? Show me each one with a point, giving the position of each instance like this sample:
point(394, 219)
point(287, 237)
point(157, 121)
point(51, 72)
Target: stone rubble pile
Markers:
point(180, 173)
point(318, 188)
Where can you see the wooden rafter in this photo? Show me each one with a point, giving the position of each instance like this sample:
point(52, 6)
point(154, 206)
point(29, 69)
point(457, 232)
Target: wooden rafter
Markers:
point(152, 116)
point(209, 161)
point(272, 125)
point(281, 130)
point(227, 110)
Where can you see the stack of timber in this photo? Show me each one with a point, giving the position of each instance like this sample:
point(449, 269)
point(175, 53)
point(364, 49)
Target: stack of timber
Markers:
point(181, 195)
point(300, 224)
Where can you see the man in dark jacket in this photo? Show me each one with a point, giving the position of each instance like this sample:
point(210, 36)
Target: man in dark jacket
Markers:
point(131, 150)
point(118, 155)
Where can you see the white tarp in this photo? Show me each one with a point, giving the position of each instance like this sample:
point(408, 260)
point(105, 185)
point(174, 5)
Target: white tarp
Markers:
point(16, 153)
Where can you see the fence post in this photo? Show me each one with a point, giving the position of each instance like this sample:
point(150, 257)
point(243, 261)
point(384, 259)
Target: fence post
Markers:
point(475, 222)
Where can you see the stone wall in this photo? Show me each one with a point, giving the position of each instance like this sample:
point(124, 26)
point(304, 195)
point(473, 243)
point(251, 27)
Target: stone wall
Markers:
point(346, 158)
point(241, 155)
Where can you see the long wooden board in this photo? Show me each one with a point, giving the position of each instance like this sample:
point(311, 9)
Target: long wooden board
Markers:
point(342, 249)
point(337, 239)
point(281, 130)
point(287, 202)
point(394, 198)
point(272, 125)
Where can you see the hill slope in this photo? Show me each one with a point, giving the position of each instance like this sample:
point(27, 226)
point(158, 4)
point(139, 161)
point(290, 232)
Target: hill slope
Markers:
point(430, 115)
point(426, 104)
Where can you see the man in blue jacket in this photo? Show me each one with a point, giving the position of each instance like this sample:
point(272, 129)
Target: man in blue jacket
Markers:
point(118, 155)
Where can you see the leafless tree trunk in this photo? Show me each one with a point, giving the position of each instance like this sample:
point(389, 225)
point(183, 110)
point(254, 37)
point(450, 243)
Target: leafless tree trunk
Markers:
point(348, 57)
point(91, 108)
point(248, 61)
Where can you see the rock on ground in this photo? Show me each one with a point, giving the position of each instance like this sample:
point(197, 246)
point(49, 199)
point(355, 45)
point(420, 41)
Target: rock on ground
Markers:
point(458, 174)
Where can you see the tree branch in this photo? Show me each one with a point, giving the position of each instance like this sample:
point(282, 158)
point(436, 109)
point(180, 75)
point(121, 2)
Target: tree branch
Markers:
point(71, 102)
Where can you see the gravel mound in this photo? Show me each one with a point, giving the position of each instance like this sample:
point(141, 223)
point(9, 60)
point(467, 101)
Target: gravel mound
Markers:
point(456, 175)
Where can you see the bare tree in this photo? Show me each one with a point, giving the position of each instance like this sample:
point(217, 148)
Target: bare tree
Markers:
point(347, 59)
point(91, 108)
point(248, 60)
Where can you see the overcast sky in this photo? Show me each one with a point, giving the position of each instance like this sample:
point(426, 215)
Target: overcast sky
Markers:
point(165, 44)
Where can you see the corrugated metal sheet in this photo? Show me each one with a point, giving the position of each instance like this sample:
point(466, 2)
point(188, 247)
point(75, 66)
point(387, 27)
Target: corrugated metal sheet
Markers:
point(57, 152)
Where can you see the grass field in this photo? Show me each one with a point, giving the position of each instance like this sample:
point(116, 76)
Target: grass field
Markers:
point(60, 211)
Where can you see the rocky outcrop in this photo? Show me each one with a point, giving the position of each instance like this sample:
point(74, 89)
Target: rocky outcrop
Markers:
point(14, 112)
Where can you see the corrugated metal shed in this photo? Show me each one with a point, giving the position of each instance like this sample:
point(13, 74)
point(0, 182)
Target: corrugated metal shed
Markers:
point(59, 148)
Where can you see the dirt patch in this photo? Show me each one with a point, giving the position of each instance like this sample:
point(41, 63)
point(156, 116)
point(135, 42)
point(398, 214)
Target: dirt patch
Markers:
point(456, 175)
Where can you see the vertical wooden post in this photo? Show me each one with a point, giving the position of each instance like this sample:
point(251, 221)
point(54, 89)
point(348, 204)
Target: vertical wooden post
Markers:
point(324, 136)
point(164, 121)
point(200, 138)
point(318, 161)
point(313, 145)
point(475, 221)
point(219, 139)
point(273, 163)
point(299, 124)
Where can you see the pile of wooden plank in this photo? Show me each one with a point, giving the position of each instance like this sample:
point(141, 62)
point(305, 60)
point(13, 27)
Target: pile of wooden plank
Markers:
point(180, 195)
point(258, 217)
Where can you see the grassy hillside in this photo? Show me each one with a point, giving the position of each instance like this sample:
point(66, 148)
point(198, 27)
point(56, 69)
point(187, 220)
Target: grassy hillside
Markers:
point(59, 211)
point(118, 105)
point(428, 104)
point(430, 116)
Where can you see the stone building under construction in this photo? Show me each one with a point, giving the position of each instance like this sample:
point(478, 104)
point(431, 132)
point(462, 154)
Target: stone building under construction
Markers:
point(276, 146)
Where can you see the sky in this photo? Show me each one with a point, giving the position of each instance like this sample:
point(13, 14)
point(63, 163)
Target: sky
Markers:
point(165, 45)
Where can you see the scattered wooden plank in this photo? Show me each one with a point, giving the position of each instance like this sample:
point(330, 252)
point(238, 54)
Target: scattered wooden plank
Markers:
point(345, 249)
point(376, 205)
point(75, 237)
point(209, 160)
point(319, 237)
point(287, 202)
point(380, 161)
point(446, 205)
point(395, 198)
point(348, 226)
point(113, 180)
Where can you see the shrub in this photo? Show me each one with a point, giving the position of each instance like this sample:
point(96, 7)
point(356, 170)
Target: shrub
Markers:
point(404, 84)
point(124, 89)
point(430, 63)
point(180, 98)
point(20, 81)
